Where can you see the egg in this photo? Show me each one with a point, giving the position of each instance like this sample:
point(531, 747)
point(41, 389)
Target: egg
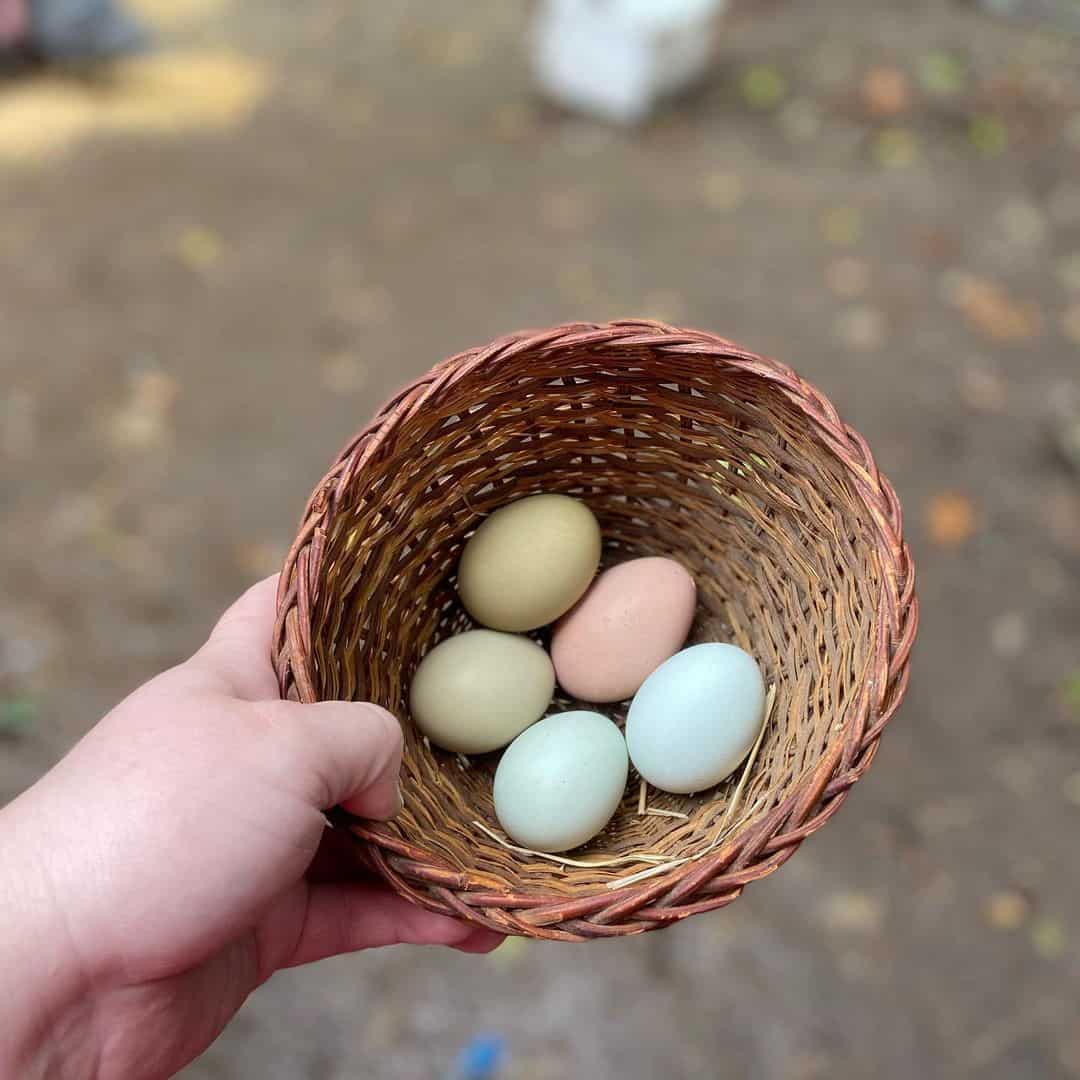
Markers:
point(696, 717)
point(633, 618)
point(476, 691)
point(561, 780)
point(529, 562)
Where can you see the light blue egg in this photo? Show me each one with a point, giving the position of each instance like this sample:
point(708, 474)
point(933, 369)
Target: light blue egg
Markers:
point(696, 717)
point(561, 780)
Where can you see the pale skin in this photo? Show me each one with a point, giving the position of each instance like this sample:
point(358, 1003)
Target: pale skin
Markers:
point(12, 20)
point(179, 856)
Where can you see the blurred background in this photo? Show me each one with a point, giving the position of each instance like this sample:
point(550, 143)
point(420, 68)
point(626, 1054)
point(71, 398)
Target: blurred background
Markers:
point(218, 256)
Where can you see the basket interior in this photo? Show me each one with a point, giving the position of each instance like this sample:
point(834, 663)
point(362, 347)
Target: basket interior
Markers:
point(677, 455)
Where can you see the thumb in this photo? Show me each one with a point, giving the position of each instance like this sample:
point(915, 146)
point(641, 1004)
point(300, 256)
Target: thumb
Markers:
point(341, 753)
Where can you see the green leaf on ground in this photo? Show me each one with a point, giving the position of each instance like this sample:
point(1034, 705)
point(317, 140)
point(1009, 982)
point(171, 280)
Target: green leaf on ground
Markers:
point(897, 148)
point(988, 135)
point(941, 73)
point(842, 226)
point(1070, 691)
point(763, 86)
point(1048, 937)
point(17, 716)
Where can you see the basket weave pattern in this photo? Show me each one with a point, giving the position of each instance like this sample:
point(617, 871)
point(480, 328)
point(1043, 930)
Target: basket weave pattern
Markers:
point(683, 444)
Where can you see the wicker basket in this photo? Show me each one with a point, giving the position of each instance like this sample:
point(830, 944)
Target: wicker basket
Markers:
point(683, 444)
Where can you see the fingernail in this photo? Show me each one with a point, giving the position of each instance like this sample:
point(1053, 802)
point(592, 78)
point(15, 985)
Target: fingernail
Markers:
point(399, 801)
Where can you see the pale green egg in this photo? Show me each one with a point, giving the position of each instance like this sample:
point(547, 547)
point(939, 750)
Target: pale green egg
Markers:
point(561, 780)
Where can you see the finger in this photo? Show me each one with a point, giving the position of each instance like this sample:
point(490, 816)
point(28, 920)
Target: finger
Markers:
point(345, 753)
point(346, 917)
point(237, 654)
point(337, 861)
point(13, 20)
point(481, 942)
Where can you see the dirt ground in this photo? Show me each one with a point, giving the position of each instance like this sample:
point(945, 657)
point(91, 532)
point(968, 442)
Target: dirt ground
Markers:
point(203, 295)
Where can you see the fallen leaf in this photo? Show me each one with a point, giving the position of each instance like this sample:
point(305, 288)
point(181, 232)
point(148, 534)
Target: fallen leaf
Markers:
point(989, 309)
point(763, 86)
point(1048, 937)
point(723, 190)
point(1007, 910)
point(143, 421)
point(854, 913)
point(199, 248)
point(1070, 691)
point(861, 328)
point(951, 519)
point(941, 74)
point(842, 226)
point(345, 373)
point(847, 276)
point(897, 148)
point(17, 716)
point(1009, 635)
point(988, 135)
point(886, 91)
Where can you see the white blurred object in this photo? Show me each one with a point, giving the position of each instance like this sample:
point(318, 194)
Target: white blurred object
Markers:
point(615, 58)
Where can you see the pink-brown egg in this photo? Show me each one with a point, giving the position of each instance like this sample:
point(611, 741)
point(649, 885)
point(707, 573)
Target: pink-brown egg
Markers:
point(633, 617)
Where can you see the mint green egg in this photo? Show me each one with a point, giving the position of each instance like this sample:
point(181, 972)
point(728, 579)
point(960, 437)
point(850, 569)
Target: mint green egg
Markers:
point(561, 781)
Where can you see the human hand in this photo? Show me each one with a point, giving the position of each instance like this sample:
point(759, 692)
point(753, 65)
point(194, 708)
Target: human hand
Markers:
point(12, 21)
point(179, 856)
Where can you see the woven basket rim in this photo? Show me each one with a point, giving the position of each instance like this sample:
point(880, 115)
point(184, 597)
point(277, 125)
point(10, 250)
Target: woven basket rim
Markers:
point(752, 851)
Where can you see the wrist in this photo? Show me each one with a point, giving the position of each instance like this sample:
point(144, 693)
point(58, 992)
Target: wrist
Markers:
point(44, 1000)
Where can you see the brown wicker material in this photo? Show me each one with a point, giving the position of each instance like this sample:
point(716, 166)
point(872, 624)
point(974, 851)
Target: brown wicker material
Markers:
point(683, 444)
